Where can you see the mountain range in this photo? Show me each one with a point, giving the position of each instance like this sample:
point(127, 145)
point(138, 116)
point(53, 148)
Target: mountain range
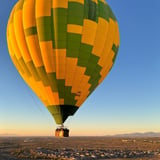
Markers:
point(137, 134)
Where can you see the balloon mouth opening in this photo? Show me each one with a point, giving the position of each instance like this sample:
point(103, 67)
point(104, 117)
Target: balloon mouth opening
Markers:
point(60, 113)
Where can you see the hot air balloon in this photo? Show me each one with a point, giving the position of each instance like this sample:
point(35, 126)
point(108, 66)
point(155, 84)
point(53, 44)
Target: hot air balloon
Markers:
point(63, 49)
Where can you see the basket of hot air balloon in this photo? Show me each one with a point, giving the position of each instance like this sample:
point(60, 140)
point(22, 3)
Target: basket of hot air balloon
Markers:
point(63, 49)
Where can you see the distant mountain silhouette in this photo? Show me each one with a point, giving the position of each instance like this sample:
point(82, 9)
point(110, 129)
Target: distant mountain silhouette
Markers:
point(137, 134)
point(7, 135)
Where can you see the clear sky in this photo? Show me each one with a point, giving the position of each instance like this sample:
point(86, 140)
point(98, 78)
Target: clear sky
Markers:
point(127, 101)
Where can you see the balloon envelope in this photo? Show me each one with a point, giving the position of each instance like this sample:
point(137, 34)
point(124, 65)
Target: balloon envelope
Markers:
point(63, 49)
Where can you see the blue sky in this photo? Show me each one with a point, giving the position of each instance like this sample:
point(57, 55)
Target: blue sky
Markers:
point(128, 100)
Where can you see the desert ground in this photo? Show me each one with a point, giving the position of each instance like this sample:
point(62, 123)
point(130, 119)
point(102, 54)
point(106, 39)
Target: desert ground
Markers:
point(79, 148)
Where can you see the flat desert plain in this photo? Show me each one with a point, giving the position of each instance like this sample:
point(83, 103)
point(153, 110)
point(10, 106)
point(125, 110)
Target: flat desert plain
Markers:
point(79, 148)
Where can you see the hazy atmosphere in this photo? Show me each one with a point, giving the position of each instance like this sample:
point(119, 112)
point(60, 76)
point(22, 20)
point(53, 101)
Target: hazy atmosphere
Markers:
point(128, 100)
